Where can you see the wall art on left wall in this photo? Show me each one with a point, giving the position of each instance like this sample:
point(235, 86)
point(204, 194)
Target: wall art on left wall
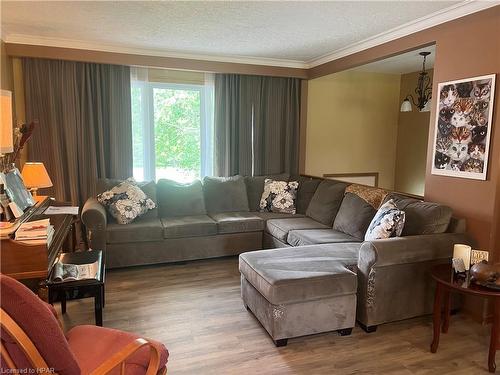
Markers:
point(463, 127)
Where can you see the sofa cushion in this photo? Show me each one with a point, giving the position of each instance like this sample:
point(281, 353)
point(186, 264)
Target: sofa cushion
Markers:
point(225, 194)
point(279, 196)
point(354, 216)
point(137, 231)
point(422, 217)
point(255, 188)
point(279, 228)
point(188, 226)
point(301, 274)
point(275, 215)
point(176, 199)
point(303, 237)
point(149, 188)
point(326, 201)
point(307, 188)
point(237, 222)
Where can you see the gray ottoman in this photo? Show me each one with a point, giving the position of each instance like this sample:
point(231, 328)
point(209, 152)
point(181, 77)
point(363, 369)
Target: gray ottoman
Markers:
point(301, 290)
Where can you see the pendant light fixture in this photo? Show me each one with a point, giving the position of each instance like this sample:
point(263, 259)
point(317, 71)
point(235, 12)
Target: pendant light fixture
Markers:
point(423, 91)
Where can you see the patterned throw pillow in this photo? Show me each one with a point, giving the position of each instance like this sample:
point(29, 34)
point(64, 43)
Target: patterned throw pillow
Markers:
point(387, 222)
point(126, 201)
point(279, 196)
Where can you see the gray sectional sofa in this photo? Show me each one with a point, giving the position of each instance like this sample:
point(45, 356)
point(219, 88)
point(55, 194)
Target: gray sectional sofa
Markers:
point(221, 217)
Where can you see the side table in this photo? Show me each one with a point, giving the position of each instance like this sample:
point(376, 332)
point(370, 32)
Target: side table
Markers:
point(447, 283)
point(67, 290)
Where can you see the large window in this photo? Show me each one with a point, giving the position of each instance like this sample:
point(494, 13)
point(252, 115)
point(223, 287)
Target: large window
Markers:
point(172, 131)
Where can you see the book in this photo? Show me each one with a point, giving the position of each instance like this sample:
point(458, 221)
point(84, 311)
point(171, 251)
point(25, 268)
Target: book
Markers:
point(40, 241)
point(73, 272)
point(33, 230)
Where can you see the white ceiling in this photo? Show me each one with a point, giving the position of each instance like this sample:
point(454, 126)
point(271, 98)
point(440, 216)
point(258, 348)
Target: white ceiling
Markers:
point(401, 64)
point(272, 32)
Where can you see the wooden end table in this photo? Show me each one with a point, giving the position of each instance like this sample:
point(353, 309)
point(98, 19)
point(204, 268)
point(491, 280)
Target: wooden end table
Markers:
point(447, 283)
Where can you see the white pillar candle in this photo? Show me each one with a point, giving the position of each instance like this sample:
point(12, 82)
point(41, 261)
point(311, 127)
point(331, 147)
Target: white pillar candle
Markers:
point(462, 252)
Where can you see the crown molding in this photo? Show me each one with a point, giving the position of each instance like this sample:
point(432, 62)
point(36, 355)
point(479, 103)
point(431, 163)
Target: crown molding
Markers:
point(101, 47)
point(448, 14)
point(445, 15)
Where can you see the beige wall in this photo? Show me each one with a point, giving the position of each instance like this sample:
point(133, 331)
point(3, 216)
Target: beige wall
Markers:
point(6, 80)
point(413, 132)
point(352, 123)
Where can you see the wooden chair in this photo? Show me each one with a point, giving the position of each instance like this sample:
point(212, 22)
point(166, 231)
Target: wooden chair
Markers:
point(32, 338)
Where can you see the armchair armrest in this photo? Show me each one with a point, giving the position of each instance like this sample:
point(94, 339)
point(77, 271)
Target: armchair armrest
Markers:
point(119, 358)
point(409, 249)
point(94, 218)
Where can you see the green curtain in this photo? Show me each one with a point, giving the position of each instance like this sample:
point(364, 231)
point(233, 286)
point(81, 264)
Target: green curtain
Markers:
point(85, 126)
point(256, 125)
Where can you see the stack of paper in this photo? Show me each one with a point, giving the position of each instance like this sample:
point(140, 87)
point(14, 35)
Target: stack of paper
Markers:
point(35, 232)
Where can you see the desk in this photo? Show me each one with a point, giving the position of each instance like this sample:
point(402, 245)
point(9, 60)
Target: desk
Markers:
point(25, 262)
point(447, 283)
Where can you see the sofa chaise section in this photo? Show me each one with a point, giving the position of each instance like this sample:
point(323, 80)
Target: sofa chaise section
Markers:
point(301, 291)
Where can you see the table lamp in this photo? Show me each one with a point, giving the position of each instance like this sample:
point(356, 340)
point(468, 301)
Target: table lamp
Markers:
point(35, 177)
point(6, 137)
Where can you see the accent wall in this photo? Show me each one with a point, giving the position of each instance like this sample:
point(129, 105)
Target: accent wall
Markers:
point(352, 124)
point(413, 133)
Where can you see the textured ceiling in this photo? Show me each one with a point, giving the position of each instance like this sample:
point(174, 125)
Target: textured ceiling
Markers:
point(298, 31)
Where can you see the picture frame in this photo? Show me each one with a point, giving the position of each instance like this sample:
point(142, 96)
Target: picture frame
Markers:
point(16, 191)
point(463, 127)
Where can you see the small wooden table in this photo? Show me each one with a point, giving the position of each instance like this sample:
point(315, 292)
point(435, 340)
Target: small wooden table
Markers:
point(62, 291)
point(448, 283)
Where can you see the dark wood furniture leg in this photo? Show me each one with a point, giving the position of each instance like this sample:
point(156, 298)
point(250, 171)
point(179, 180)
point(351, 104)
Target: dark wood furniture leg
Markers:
point(62, 296)
point(368, 329)
point(98, 307)
point(495, 332)
point(438, 301)
point(281, 342)
point(446, 311)
point(345, 331)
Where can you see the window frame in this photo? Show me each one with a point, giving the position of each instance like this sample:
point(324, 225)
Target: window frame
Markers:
point(148, 131)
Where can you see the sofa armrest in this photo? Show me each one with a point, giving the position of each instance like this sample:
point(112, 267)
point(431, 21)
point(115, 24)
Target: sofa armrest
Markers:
point(409, 249)
point(94, 218)
point(393, 275)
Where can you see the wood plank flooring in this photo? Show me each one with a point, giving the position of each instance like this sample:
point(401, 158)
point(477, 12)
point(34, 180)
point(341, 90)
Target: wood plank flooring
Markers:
point(196, 310)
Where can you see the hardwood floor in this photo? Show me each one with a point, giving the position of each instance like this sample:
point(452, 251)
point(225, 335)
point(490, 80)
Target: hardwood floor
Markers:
point(196, 310)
